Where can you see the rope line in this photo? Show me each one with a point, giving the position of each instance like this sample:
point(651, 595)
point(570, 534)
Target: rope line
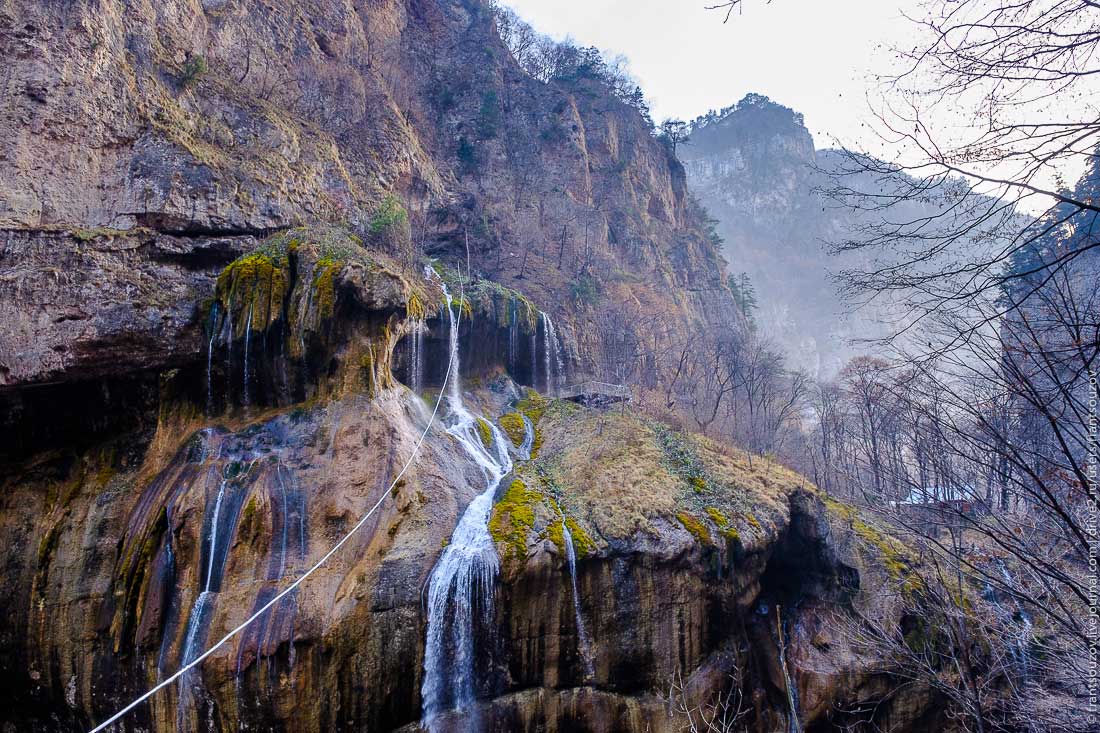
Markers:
point(282, 594)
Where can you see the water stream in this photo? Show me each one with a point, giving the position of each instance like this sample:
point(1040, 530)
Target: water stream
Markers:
point(220, 525)
point(584, 644)
point(245, 394)
point(460, 590)
point(210, 359)
point(554, 364)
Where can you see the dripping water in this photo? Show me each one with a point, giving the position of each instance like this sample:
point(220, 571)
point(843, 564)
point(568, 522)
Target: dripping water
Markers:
point(461, 584)
point(247, 345)
point(416, 357)
point(528, 439)
point(210, 359)
point(584, 644)
point(202, 610)
point(793, 723)
point(551, 348)
point(1020, 651)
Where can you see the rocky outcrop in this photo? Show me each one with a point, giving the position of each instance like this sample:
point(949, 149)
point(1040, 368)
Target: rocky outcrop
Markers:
point(211, 274)
point(124, 565)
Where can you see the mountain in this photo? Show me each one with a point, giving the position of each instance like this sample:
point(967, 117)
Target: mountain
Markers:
point(289, 290)
point(757, 171)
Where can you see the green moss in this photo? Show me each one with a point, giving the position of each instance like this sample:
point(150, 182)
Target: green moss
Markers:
point(583, 544)
point(512, 424)
point(88, 235)
point(533, 405)
point(324, 286)
point(513, 518)
point(485, 431)
point(414, 308)
point(696, 527)
point(893, 555)
point(255, 285)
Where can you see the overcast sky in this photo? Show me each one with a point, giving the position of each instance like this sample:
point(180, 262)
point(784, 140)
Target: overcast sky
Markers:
point(811, 55)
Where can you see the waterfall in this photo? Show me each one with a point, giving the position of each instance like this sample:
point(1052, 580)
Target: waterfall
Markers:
point(793, 723)
point(1020, 649)
point(461, 584)
point(584, 645)
point(416, 356)
point(513, 336)
point(210, 359)
point(229, 352)
point(198, 620)
point(552, 358)
point(528, 438)
point(247, 345)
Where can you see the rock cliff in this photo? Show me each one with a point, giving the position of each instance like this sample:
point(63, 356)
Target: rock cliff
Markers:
point(219, 347)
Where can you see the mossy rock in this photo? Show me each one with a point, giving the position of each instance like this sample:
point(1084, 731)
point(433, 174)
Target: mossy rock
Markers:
point(513, 519)
point(485, 432)
point(512, 425)
point(893, 555)
point(696, 527)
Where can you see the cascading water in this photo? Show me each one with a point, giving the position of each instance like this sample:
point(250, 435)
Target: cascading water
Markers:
point(210, 359)
point(245, 394)
point(461, 583)
point(528, 444)
point(794, 725)
point(416, 355)
point(1021, 646)
point(584, 644)
point(221, 523)
point(513, 336)
point(554, 364)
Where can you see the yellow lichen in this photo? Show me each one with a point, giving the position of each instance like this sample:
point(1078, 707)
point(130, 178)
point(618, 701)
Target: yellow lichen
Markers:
point(513, 518)
point(324, 286)
point(414, 307)
point(695, 526)
point(485, 431)
point(512, 424)
point(894, 556)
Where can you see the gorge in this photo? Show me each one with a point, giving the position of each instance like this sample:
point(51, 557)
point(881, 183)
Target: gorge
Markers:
point(292, 291)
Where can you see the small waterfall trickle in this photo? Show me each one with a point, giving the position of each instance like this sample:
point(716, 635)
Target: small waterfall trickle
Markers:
point(221, 523)
point(584, 644)
point(210, 359)
point(794, 724)
point(229, 351)
point(528, 444)
point(460, 590)
point(246, 392)
point(513, 336)
point(1020, 648)
point(554, 364)
point(416, 355)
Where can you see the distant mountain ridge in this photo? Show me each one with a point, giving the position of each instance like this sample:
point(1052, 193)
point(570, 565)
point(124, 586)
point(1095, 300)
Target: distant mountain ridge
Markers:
point(756, 169)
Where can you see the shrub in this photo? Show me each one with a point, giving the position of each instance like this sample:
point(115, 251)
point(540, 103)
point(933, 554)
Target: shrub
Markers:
point(585, 290)
point(389, 216)
point(193, 68)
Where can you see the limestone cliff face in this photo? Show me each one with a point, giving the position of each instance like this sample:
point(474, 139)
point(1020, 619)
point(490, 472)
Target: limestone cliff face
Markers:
point(210, 295)
point(208, 123)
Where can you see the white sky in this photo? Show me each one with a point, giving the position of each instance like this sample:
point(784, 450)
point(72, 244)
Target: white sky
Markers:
point(811, 55)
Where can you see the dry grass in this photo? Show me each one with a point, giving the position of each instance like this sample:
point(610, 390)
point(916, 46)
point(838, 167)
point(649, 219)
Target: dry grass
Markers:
point(621, 471)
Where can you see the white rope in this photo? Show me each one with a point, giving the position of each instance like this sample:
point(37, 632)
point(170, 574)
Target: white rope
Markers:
point(282, 594)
